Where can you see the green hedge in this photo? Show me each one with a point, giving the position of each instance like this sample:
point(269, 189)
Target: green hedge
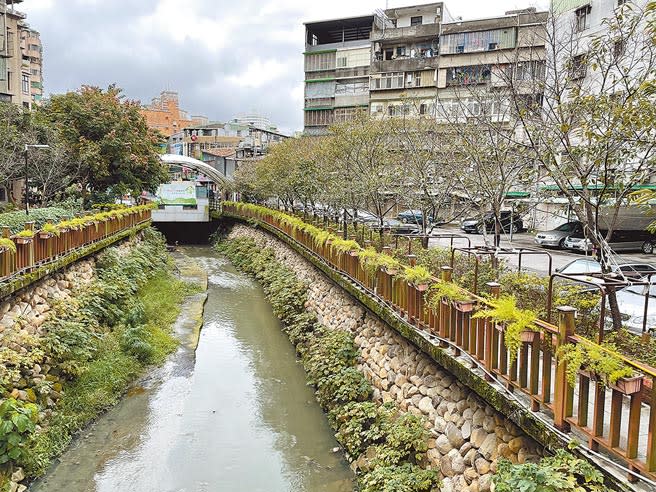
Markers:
point(16, 220)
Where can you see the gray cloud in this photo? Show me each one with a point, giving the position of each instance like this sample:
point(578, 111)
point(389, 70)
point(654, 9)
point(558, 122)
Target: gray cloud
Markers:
point(223, 57)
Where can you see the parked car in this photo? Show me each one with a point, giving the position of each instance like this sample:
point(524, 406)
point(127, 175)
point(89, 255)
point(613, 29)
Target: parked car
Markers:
point(555, 238)
point(413, 217)
point(631, 303)
point(578, 242)
point(619, 241)
point(397, 227)
point(363, 217)
point(649, 246)
point(588, 266)
point(509, 222)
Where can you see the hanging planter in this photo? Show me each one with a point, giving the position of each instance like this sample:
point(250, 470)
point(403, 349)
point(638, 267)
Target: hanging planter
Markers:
point(464, 306)
point(628, 386)
point(529, 336)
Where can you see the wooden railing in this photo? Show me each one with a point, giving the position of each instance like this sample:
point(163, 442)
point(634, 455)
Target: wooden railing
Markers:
point(43, 247)
point(618, 420)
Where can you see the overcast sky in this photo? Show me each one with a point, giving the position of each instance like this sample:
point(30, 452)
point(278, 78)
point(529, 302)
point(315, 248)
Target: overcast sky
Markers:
point(222, 57)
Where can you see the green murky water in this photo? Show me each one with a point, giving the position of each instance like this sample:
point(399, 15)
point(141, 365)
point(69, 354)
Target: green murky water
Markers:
point(235, 416)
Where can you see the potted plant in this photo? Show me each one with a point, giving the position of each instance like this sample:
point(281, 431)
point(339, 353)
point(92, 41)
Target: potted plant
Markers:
point(48, 230)
point(7, 244)
point(24, 237)
point(440, 290)
point(599, 363)
point(418, 276)
point(518, 324)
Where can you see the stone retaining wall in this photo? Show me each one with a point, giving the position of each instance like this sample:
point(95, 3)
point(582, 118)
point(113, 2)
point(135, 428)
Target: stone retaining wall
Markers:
point(22, 316)
point(468, 435)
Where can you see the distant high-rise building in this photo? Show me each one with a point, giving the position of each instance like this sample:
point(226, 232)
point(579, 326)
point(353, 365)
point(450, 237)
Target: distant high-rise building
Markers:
point(16, 63)
point(164, 114)
point(33, 50)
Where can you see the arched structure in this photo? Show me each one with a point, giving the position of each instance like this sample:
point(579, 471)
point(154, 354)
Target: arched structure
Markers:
point(196, 165)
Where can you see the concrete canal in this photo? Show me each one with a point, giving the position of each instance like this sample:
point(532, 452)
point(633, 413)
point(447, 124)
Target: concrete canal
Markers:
point(235, 414)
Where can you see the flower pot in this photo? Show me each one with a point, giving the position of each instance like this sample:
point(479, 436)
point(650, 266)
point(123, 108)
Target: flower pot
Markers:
point(529, 336)
point(628, 386)
point(422, 287)
point(45, 235)
point(464, 306)
point(22, 240)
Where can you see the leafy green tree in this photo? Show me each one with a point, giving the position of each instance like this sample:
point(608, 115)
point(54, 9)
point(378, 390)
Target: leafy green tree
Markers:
point(107, 135)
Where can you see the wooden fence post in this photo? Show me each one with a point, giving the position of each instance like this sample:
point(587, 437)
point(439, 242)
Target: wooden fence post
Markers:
point(563, 394)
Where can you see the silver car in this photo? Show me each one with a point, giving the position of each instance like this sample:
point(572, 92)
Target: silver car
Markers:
point(555, 238)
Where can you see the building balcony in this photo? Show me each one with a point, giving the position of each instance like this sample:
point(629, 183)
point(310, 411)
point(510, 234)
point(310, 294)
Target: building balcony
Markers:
point(350, 100)
point(320, 102)
point(412, 32)
point(405, 64)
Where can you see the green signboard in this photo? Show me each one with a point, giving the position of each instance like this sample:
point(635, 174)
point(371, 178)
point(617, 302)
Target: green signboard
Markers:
point(179, 193)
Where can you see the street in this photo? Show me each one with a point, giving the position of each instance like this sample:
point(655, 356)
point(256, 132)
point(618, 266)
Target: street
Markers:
point(534, 263)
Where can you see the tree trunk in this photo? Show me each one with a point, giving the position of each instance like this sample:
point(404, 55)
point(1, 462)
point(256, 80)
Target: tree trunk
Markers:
point(614, 308)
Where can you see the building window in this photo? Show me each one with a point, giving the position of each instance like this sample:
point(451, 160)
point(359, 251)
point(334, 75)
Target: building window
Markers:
point(414, 79)
point(492, 46)
point(582, 15)
point(416, 21)
point(323, 117)
point(342, 62)
point(460, 49)
point(578, 67)
point(476, 74)
point(423, 108)
point(400, 51)
point(25, 83)
point(376, 109)
point(389, 53)
point(393, 80)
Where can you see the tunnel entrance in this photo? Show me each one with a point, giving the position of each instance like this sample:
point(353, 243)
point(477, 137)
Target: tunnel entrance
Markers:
point(188, 232)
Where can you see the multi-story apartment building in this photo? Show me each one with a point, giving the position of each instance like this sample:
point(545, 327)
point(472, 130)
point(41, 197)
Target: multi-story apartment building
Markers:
point(417, 55)
point(33, 51)
point(485, 55)
point(405, 58)
point(164, 114)
point(15, 64)
point(337, 59)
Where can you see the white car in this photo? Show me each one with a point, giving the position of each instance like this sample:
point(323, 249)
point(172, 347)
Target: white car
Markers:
point(584, 268)
point(631, 302)
point(578, 244)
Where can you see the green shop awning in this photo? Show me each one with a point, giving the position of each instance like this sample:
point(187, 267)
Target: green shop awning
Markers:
point(518, 194)
point(598, 187)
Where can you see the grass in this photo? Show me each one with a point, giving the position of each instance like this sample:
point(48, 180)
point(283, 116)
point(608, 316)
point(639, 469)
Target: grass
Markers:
point(108, 376)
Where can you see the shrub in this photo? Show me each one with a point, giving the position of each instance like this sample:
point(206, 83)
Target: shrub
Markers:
point(17, 423)
point(16, 220)
point(404, 478)
point(559, 473)
point(347, 385)
point(360, 425)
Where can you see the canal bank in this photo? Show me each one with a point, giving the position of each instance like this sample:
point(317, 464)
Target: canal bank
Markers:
point(235, 414)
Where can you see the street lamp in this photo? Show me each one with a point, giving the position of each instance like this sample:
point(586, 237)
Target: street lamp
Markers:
point(27, 186)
